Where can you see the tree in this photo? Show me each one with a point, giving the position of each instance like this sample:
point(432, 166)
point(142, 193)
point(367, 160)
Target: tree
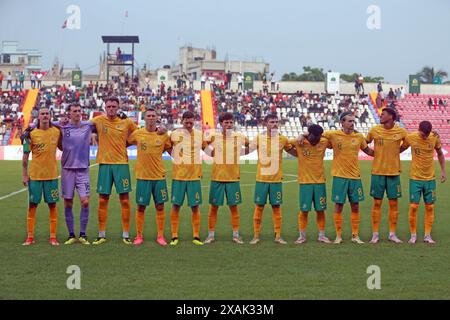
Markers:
point(317, 74)
point(427, 74)
point(309, 74)
point(352, 77)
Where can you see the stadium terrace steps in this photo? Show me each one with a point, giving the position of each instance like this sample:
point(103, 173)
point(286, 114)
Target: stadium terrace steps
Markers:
point(373, 100)
point(414, 108)
point(375, 113)
point(208, 113)
point(27, 107)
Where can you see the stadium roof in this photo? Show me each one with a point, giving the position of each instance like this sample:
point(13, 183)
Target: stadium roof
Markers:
point(120, 39)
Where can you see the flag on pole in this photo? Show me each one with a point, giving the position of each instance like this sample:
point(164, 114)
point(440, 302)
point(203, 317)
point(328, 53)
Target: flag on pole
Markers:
point(64, 24)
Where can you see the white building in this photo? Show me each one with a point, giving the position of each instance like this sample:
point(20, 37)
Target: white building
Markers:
point(197, 61)
point(15, 60)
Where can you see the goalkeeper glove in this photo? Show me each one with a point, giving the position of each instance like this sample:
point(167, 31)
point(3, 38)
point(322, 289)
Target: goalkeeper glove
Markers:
point(122, 115)
point(26, 135)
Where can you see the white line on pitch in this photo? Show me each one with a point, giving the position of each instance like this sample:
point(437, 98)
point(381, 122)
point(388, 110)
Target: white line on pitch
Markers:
point(25, 189)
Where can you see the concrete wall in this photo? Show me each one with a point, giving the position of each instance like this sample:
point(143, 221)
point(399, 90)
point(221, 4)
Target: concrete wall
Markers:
point(435, 89)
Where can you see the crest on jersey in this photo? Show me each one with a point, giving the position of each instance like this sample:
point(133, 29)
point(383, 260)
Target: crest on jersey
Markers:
point(158, 142)
point(119, 126)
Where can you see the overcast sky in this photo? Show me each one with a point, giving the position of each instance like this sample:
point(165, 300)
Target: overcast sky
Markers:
point(285, 33)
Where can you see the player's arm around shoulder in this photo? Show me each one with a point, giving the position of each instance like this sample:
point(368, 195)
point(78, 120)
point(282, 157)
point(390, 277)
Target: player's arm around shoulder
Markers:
point(96, 123)
point(293, 151)
point(370, 135)
point(168, 145)
point(406, 143)
point(131, 126)
point(246, 145)
point(132, 138)
point(364, 147)
point(208, 142)
point(287, 145)
point(253, 145)
point(25, 157)
point(441, 158)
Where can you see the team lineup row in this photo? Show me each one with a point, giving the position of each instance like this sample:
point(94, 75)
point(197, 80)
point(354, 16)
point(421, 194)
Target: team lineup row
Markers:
point(225, 147)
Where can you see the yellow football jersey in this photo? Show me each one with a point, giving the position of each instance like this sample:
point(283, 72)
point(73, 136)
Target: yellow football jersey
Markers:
point(150, 146)
point(270, 160)
point(227, 150)
point(310, 161)
point(112, 139)
point(43, 147)
point(387, 144)
point(345, 153)
point(422, 150)
point(187, 162)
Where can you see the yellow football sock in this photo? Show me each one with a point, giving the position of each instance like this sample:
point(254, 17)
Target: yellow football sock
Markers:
point(126, 213)
point(413, 208)
point(140, 218)
point(196, 222)
point(355, 219)
point(320, 221)
point(393, 215)
point(302, 221)
point(102, 213)
point(429, 218)
point(212, 217)
point(235, 218)
point(376, 215)
point(31, 220)
point(257, 219)
point(338, 223)
point(160, 221)
point(277, 220)
point(175, 221)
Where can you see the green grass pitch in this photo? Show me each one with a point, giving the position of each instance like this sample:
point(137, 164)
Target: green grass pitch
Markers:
point(222, 270)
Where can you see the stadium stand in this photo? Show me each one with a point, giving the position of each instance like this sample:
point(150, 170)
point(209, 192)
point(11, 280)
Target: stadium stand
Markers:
point(415, 108)
point(296, 111)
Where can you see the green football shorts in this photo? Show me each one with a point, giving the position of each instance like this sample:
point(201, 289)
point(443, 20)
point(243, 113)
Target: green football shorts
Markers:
point(313, 193)
point(218, 190)
point(119, 174)
point(417, 188)
point(273, 190)
point(193, 190)
point(146, 188)
point(343, 187)
point(390, 184)
point(48, 187)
